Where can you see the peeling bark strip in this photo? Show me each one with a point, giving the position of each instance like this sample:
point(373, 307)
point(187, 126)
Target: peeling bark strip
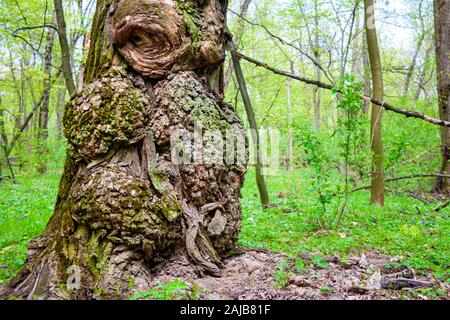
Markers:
point(123, 206)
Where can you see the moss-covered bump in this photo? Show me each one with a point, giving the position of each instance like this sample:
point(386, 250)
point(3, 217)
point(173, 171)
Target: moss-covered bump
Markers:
point(108, 112)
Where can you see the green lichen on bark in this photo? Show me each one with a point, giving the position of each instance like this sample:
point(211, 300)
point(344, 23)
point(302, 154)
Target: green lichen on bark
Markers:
point(109, 111)
point(112, 200)
point(192, 21)
point(184, 97)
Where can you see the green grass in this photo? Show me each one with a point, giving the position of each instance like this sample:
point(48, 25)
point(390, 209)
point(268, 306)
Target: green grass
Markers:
point(406, 227)
point(25, 208)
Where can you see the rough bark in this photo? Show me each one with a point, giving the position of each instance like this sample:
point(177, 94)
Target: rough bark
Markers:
point(124, 205)
point(376, 141)
point(442, 38)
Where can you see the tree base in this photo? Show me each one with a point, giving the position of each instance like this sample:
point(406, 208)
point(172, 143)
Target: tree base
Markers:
point(123, 204)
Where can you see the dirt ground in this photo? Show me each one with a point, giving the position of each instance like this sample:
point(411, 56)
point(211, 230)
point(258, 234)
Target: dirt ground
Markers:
point(251, 276)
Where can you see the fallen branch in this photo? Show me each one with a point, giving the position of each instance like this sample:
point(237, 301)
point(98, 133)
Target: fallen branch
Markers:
point(413, 176)
point(401, 283)
point(323, 85)
point(4, 178)
point(442, 206)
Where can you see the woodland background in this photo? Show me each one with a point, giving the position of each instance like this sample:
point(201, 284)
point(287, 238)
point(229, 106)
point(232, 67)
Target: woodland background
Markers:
point(325, 137)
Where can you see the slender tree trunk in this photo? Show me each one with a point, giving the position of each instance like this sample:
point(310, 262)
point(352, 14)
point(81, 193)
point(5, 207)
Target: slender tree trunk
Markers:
point(412, 66)
point(260, 182)
point(237, 37)
point(43, 110)
point(442, 34)
point(366, 72)
point(60, 109)
point(377, 191)
point(290, 120)
point(356, 50)
point(316, 91)
point(2, 138)
point(426, 73)
point(137, 196)
point(65, 50)
point(18, 90)
point(4, 145)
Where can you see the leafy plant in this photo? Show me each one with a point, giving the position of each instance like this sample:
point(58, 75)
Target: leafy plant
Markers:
point(282, 274)
point(318, 161)
point(300, 265)
point(170, 291)
point(350, 131)
point(319, 262)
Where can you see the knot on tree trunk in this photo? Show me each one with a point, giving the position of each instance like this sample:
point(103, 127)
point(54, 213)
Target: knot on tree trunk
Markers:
point(157, 37)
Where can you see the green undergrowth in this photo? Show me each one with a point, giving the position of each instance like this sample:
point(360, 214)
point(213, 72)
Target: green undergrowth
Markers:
point(406, 228)
point(25, 208)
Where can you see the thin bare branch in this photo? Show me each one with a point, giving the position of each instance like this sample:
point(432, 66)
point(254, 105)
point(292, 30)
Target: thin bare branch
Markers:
point(323, 85)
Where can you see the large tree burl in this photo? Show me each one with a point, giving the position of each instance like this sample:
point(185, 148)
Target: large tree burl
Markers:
point(124, 206)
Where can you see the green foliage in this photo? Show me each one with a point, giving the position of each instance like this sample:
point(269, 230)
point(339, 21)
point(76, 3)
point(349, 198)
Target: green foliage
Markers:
point(175, 289)
point(282, 274)
point(326, 289)
point(300, 265)
point(319, 262)
point(366, 227)
point(320, 185)
point(24, 211)
point(351, 127)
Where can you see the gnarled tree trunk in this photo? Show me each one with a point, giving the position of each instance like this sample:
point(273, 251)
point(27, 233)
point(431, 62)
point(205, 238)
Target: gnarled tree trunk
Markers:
point(130, 196)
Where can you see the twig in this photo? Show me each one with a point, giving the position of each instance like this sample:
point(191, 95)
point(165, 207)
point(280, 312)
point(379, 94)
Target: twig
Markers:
point(413, 176)
point(281, 40)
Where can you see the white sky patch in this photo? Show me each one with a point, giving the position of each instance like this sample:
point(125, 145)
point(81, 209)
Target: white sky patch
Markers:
point(395, 31)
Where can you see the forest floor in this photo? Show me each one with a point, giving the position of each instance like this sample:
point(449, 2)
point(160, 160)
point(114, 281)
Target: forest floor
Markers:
point(264, 275)
point(298, 252)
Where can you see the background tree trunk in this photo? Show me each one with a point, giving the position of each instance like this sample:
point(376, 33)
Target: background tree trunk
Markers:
point(237, 37)
point(316, 46)
point(366, 73)
point(377, 191)
point(125, 206)
point(65, 50)
point(260, 182)
point(43, 110)
point(442, 25)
